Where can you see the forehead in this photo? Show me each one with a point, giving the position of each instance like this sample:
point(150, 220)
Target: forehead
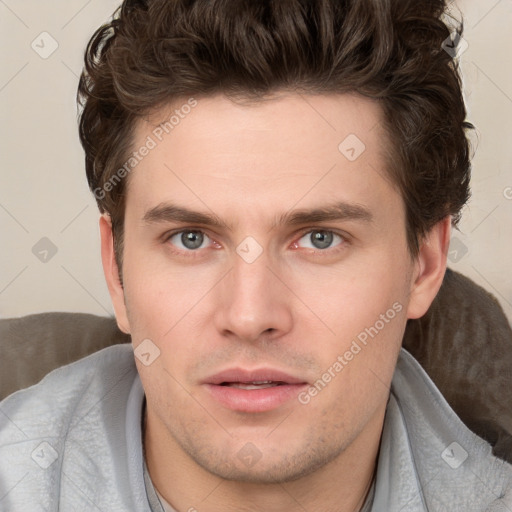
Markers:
point(285, 119)
point(282, 150)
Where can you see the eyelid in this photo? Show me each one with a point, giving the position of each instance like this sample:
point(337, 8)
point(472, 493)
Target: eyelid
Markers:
point(342, 234)
point(169, 234)
point(344, 237)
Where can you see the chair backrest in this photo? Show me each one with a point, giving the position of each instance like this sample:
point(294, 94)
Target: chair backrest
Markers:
point(464, 342)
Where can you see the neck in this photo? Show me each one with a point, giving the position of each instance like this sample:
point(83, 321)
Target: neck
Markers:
point(342, 485)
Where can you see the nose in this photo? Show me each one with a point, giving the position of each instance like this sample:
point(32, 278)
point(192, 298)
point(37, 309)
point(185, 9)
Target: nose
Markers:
point(254, 301)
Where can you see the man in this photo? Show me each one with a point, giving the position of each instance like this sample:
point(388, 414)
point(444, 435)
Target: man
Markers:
point(277, 182)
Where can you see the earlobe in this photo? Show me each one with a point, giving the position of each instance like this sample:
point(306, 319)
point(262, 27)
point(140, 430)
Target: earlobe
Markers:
point(111, 272)
point(429, 269)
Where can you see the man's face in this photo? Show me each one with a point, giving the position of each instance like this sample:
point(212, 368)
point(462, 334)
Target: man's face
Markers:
point(257, 291)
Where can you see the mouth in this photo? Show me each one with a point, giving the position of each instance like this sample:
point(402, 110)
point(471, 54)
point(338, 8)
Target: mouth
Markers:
point(253, 385)
point(253, 391)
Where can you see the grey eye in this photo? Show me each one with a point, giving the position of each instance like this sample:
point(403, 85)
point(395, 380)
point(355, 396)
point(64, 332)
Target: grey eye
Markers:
point(192, 239)
point(188, 239)
point(319, 239)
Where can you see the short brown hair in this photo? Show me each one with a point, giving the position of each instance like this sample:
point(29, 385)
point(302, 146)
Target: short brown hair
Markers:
point(154, 51)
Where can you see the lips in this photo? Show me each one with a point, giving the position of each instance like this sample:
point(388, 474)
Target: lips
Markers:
point(264, 375)
point(253, 391)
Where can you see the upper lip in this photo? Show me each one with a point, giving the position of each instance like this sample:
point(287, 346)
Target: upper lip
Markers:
point(262, 374)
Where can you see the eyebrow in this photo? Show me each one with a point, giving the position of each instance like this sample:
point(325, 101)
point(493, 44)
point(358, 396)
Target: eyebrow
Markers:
point(168, 213)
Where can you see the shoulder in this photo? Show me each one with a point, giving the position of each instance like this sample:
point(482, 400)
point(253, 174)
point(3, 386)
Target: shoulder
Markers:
point(66, 390)
point(48, 432)
point(466, 472)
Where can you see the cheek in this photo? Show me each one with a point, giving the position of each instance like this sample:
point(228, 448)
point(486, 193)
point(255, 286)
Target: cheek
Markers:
point(159, 294)
point(364, 307)
point(351, 296)
point(165, 304)
point(358, 363)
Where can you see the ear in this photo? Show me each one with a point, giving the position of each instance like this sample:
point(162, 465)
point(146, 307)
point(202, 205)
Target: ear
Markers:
point(430, 267)
point(111, 272)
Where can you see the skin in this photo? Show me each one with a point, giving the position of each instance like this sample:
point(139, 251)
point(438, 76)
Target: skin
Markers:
point(297, 307)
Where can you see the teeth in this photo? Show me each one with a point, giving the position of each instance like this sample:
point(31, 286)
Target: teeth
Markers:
point(253, 385)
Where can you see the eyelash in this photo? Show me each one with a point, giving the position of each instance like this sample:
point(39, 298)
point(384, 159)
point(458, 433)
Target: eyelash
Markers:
point(328, 252)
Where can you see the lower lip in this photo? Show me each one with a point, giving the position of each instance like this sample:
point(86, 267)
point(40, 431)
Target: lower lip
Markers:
point(254, 400)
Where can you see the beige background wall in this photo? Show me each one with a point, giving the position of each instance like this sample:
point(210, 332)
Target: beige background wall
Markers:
point(45, 204)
